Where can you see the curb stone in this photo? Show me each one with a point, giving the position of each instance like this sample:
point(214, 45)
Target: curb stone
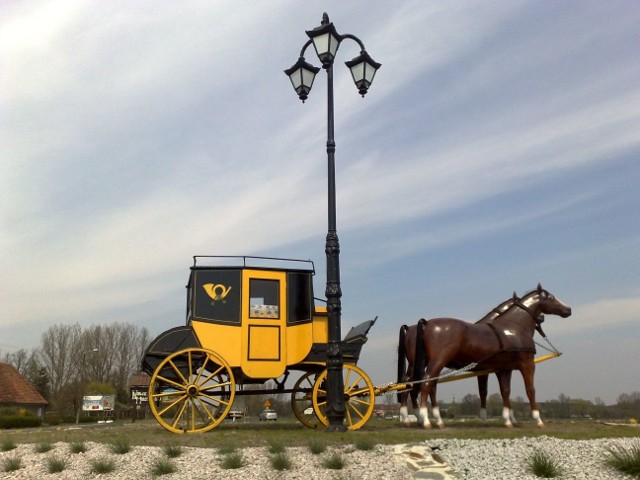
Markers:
point(424, 463)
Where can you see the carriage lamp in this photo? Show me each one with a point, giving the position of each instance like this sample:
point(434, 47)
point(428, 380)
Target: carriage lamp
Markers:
point(326, 40)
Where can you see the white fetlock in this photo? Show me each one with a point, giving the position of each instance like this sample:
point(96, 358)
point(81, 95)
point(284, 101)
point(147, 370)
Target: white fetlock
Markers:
point(483, 415)
point(512, 416)
point(436, 415)
point(506, 417)
point(536, 416)
point(424, 417)
point(404, 415)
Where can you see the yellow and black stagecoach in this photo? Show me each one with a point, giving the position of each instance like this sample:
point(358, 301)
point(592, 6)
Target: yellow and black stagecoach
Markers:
point(250, 320)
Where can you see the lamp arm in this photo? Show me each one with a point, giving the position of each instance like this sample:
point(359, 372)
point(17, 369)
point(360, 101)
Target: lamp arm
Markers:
point(304, 47)
point(354, 38)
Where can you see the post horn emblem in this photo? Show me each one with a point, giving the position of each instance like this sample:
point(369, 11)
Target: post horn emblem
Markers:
point(217, 292)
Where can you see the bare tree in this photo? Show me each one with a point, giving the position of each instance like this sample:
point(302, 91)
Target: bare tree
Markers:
point(59, 344)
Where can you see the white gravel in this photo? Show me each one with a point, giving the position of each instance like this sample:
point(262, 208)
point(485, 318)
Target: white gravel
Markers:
point(470, 459)
point(507, 458)
point(204, 463)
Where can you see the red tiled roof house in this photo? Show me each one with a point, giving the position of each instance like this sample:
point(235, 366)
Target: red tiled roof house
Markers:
point(16, 391)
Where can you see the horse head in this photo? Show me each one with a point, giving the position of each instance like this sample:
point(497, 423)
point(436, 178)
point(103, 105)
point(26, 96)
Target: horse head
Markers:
point(546, 303)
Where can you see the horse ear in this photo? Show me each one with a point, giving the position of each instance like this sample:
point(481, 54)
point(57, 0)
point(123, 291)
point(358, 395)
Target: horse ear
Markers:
point(515, 297)
point(539, 287)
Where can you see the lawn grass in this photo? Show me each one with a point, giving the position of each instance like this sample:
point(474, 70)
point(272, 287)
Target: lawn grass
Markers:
point(290, 433)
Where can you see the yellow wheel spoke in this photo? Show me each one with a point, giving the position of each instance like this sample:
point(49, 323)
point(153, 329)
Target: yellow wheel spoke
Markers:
point(172, 383)
point(217, 385)
point(202, 369)
point(204, 407)
point(173, 404)
point(352, 407)
point(177, 370)
point(164, 395)
point(353, 385)
point(210, 376)
point(360, 401)
point(179, 414)
point(214, 399)
point(359, 393)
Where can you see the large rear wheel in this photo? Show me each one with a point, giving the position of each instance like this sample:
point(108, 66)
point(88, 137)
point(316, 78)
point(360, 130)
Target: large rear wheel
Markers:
point(359, 397)
point(191, 391)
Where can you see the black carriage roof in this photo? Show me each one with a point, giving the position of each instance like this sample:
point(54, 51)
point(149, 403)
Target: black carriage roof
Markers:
point(222, 262)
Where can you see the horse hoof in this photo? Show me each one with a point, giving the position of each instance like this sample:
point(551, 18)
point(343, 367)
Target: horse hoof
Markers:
point(427, 426)
point(509, 425)
point(441, 426)
point(541, 425)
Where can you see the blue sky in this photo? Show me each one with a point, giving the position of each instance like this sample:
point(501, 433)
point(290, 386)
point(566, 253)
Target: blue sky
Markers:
point(497, 148)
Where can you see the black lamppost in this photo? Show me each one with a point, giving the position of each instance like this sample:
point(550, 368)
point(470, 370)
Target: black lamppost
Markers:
point(326, 41)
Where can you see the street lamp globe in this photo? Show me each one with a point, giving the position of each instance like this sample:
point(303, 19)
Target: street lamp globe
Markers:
point(302, 75)
point(363, 69)
point(326, 40)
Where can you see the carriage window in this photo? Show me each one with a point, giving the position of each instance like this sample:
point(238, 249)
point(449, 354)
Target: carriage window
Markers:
point(264, 298)
point(299, 297)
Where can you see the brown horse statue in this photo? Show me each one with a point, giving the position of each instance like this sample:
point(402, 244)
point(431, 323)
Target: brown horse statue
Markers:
point(406, 373)
point(503, 345)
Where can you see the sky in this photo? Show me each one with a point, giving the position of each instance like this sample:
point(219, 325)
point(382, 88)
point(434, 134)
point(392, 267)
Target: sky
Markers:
point(498, 147)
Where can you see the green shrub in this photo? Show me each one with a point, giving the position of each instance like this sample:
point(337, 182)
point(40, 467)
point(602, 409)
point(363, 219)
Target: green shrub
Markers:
point(226, 448)
point(280, 461)
point(11, 464)
point(99, 465)
point(56, 464)
point(232, 461)
point(78, 447)
point(542, 465)
point(335, 461)
point(625, 460)
point(52, 418)
point(19, 421)
point(7, 444)
point(162, 466)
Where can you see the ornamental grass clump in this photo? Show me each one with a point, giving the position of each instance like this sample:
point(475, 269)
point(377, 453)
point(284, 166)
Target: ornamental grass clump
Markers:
point(316, 446)
point(102, 465)
point(280, 461)
point(173, 451)
point(78, 447)
point(542, 465)
point(232, 461)
point(335, 461)
point(11, 464)
point(625, 460)
point(56, 464)
point(364, 443)
point(43, 447)
point(121, 446)
point(7, 444)
point(275, 447)
point(162, 466)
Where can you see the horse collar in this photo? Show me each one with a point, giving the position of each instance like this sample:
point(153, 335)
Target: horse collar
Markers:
point(531, 313)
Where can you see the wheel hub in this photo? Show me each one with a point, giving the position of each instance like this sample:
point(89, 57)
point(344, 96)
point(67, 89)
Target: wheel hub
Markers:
point(192, 390)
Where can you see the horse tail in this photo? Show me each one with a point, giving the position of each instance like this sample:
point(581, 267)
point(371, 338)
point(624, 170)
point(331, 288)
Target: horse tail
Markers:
point(419, 361)
point(402, 356)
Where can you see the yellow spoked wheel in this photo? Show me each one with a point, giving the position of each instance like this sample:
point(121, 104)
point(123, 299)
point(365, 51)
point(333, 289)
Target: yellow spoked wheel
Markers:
point(191, 391)
point(302, 401)
point(359, 397)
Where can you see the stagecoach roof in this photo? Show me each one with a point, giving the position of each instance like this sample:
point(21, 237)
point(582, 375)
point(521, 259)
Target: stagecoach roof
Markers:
point(261, 263)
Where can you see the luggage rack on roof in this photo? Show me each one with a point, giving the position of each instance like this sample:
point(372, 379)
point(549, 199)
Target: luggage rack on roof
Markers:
point(251, 261)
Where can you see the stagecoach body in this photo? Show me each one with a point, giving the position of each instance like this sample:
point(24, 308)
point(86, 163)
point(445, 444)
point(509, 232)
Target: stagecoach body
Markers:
point(249, 320)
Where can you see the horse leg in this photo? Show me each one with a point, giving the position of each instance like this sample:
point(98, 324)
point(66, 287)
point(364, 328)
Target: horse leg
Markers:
point(483, 381)
point(504, 380)
point(404, 415)
point(423, 414)
point(435, 409)
point(528, 372)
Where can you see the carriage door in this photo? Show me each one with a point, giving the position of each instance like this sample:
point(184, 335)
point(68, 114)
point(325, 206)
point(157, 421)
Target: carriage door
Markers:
point(264, 315)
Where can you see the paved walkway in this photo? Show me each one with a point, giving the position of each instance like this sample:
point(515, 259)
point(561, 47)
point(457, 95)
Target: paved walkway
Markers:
point(425, 463)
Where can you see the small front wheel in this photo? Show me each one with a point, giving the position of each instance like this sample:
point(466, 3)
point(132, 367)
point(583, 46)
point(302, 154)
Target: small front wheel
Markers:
point(359, 397)
point(191, 391)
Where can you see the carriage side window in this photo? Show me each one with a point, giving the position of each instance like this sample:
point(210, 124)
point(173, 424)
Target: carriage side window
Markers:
point(299, 298)
point(264, 298)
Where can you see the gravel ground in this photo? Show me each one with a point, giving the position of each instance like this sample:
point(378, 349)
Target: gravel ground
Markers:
point(204, 463)
point(506, 459)
point(470, 459)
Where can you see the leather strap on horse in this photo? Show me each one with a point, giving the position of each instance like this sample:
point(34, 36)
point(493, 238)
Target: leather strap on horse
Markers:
point(495, 330)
